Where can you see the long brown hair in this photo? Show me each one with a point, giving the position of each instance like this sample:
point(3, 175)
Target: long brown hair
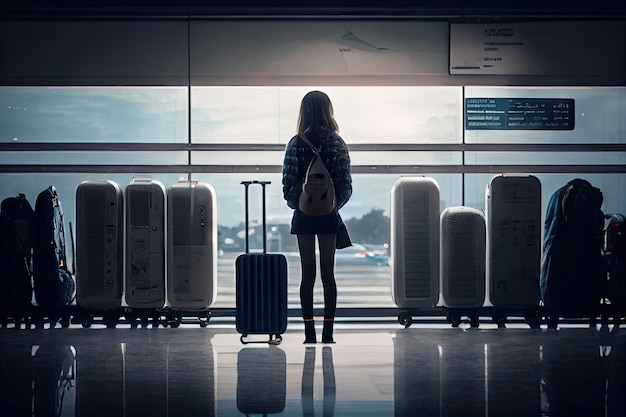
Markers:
point(316, 111)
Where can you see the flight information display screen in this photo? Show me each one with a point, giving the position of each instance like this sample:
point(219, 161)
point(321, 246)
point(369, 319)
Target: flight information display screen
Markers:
point(519, 114)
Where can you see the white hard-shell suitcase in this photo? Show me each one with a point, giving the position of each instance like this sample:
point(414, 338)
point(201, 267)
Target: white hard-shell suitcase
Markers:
point(99, 245)
point(415, 242)
point(145, 243)
point(513, 214)
point(191, 246)
point(463, 246)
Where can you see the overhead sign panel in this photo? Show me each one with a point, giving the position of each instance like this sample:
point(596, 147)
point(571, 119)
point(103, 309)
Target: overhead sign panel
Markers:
point(538, 48)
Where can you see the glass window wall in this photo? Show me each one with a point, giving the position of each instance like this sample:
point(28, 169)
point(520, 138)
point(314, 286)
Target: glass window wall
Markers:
point(93, 114)
point(375, 115)
point(239, 133)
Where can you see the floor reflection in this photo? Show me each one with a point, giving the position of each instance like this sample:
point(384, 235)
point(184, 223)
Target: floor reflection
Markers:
point(583, 380)
point(308, 379)
point(261, 380)
point(37, 379)
point(100, 387)
point(490, 374)
point(53, 374)
point(402, 373)
point(135, 379)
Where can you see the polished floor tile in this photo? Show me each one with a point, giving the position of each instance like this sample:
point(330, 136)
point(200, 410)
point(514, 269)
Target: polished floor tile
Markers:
point(370, 371)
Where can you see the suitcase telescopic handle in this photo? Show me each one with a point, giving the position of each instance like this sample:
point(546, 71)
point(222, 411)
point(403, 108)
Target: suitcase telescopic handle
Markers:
point(246, 185)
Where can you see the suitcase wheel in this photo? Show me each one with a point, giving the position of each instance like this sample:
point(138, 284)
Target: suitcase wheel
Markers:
point(274, 339)
point(64, 321)
point(405, 319)
point(86, 321)
point(174, 322)
point(454, 318)
point(500, 320)
point(534, 322)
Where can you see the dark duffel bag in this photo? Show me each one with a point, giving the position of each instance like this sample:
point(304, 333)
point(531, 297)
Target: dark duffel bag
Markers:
point(16, 245)
point(53, 282)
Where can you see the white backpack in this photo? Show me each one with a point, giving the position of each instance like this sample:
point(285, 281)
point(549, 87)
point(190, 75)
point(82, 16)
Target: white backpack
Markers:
point(317, 197)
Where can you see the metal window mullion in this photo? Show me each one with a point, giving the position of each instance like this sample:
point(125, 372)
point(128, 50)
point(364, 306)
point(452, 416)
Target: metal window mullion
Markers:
point(248, 147)
point(356, 169)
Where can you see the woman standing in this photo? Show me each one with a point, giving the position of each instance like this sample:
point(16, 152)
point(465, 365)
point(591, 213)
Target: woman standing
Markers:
point(317, 124)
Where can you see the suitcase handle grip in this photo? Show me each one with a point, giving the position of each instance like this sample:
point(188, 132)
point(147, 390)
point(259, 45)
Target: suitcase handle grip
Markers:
point(246, 185)
point(141, 179)
point(262, 183)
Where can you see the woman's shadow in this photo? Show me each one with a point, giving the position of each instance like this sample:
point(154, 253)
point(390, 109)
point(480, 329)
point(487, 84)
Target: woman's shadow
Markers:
point(308, 374)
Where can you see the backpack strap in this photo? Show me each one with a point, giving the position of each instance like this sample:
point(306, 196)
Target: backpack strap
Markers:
point(316, 152)
point(308, 142)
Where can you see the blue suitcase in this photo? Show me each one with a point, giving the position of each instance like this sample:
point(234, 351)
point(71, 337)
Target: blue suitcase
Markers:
point(261, 287)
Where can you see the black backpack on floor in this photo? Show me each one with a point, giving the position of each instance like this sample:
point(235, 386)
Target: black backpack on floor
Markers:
point(573, 272)
point(16, 245)
point(53, 283)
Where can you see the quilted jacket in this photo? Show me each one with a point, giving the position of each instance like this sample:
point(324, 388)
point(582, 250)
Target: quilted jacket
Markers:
point(335, 155)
